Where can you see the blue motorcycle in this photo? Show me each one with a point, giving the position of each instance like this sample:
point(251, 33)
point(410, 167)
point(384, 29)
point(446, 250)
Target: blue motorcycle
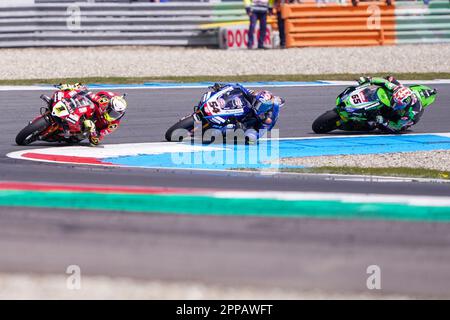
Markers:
point(224, 108)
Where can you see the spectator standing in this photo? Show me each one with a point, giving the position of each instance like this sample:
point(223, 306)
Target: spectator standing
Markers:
point(280, 22)
point(257, 10)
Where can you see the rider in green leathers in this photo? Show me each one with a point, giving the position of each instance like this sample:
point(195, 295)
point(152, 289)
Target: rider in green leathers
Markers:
point(404, 110)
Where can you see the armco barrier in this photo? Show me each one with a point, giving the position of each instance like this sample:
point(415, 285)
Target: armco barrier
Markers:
point(369, 23)
point(90, 24)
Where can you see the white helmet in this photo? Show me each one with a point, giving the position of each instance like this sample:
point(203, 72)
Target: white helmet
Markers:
point(115, 109)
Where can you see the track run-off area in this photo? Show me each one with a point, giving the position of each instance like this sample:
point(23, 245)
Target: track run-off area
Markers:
point(127, 209)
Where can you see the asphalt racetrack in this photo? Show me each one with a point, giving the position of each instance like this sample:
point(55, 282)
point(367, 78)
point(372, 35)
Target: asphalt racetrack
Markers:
point(330, 256)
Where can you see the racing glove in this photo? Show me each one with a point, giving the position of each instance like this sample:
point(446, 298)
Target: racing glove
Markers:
point(363, 80)
point(217, 86)
point(66, 86)
point(392, 79)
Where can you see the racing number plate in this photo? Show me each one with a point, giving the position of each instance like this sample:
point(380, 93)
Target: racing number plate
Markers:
point(214, 107)
point(358, 98)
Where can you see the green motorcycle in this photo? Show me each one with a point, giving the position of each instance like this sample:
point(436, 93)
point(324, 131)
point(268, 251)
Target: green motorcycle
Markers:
point(358, 106)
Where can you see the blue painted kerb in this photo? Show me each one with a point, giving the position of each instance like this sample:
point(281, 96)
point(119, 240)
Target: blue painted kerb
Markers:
point(258, 156)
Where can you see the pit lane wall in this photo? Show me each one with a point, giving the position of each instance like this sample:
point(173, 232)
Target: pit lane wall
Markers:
point(45, 23)
point(368, 23)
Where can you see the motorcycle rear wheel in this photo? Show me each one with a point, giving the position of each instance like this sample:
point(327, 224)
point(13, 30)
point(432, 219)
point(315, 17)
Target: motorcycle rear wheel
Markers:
point(31, 132)
point(186, 124)
point(326, 122)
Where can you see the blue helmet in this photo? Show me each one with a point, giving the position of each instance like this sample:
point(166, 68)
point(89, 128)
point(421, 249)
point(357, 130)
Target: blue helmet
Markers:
point(265, 101)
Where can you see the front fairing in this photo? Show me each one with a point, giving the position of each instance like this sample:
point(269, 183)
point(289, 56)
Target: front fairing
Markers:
point(358, 103)
point(65, 104)
point(225, 104)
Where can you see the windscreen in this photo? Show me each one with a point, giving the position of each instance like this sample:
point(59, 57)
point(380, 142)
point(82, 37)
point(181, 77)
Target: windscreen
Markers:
point(233, 100)
point(79, 100)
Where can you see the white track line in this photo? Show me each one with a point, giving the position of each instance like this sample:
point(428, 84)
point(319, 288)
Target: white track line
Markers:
point(411, 200)
point(320, 83)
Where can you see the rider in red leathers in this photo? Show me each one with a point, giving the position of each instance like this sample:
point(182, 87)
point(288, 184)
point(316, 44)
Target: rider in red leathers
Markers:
point(97, 114)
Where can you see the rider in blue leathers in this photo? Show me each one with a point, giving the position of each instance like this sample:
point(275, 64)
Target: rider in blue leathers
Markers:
point(265, 108)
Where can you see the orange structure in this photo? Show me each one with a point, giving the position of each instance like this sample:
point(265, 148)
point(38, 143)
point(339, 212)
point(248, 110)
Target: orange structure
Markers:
point(369, 23)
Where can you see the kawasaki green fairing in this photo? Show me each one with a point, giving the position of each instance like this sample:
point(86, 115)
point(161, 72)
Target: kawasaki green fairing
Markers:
point(367, 108)
point(359, 103)
point(363, 102)
point(425, 94)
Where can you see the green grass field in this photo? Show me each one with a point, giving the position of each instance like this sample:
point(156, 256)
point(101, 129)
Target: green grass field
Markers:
point(238, 78)
point(392, 172)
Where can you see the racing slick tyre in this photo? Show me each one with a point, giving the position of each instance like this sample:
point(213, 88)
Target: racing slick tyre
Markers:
point(31, 132)
point(184, 126)
point(326, 122)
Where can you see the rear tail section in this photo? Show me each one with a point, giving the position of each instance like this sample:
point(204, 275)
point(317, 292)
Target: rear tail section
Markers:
point(426, 94)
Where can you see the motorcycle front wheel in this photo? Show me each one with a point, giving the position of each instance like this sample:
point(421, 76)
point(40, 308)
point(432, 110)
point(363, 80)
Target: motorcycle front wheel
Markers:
point(181, 129)
point(326, 122)
point(31, 132)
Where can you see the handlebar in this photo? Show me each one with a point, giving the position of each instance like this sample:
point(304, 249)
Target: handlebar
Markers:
point(45, 98)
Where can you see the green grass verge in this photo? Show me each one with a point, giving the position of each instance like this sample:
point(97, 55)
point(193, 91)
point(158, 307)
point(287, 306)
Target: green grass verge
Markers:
point(393, 172)
point(237, 78)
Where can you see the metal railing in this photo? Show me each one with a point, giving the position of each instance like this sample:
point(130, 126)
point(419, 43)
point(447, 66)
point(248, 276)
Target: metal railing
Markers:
point(95, 24)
